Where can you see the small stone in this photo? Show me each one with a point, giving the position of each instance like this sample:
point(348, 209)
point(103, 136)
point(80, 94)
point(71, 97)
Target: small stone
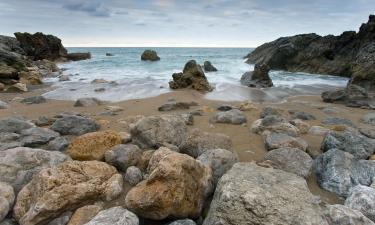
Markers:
point(302, 126)
point(123, 156)
point(302, 115)
point(247, 106)
point(133, 175)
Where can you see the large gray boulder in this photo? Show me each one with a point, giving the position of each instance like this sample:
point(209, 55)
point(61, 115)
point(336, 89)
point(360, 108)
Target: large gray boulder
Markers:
point(362, 198)
point(36, 136)
point(338, 171)
point(233, 116)
point(250, 194)
point(258, 78)
point(150, 55)
point(343, 215)
point(280, 140)
point(74, 125)
point(352, 142)
point(114, 216)
point(18, 165)
point(14, 124)
point(275, 124)
point(123, 156)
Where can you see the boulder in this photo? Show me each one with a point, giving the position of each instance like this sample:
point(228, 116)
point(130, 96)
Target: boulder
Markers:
point(14, 124)
point(108, 54)
point(352, 142)
point(114, 216)
point(177, 187)
point(145, 159)
point(225, 107)
point(150, 55)
point(66, 187)
point(133, 175)
point(280, 140)
point(272, 111)
point(84, 214)
point(343, 215)
point(220, 161)
point(233, 116)
point(74, 125)
point(18, 87)
point(123, 156)
point(18, 165)
point(250, 194)
point(362, 198)
point(86, 102)
point(6, 199)
point(78, 56)
point(36, 136)
point(156, 131)
point(34, 100)
point(302, 126)
point(198, 141)
point(93, 146)
point(274, 124)
point(258, 78)
point(58, 144)
point(208, 67)
point(291, 160)
point(319, 131)
point(8, 72)
point(30, 77)
point(192, 77)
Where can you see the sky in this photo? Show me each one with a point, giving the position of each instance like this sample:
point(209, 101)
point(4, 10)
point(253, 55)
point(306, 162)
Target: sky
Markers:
point(180, 23)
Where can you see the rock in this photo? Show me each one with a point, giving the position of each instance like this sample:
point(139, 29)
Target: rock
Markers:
point(8, 72)
point(74, 125)
point(34, 100)
point(225, 107)
point(114, 216)
point(145, 159)
point(108, 54)
point(338, 121)
point(330, 110)
point(247, 106)
point(370, 133)
point(63, 78)
point(302, 115)
point(30, 77)
point(123, 156)
point(338, 171)
point(352, 96)
point(9, 145)
point(280, 140)
point(155, 131)
point(170, 106)
point(291, 160)
point(36, 136)
point(2, 87)
point(3, 105)
point(208, 67)
point(14, 124)
point(18, 165)
point(369, 118)
point(271, 111)
point(79, 56)
point(319, 131)
point(263, 196)
point(220, 161)
point(8, 137)
point(84, 214)
point(362, 198)
point(99, 81)
point(87, 102)
point(188, 118)
point(62, 220)
point(183, 222)
point(198, 141)
point(274, 124)
point(342, 215)
point(192, 77)
point(177, 187)
point(356, 144)
point(58, 144)
point(233, 116)
point(6, 199)
point(302, 126)
point(258, 78)
point(150, 55)
point(79, 183)
point(93, 146)
point(43, 121)
point(99, 90)
point(133, 175)
point(18, 87)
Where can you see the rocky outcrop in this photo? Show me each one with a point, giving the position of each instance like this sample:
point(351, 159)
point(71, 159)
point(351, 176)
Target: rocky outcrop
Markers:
point(351, 54)
point(150, 55)
point(191, 77)
point(78, 56)
point(208, 67)
point(258, 78)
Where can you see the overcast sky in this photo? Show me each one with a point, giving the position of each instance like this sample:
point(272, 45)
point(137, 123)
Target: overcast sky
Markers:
point(211, 23)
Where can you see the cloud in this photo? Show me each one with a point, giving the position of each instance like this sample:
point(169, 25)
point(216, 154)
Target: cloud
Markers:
point(93, 8)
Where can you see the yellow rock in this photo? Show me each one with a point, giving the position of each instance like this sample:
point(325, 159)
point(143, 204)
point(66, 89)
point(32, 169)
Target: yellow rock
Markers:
point(84, 214)
point(372, 157)
point(31, 77)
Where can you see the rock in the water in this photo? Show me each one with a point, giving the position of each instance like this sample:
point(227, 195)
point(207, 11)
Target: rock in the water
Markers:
point(156, 131)
point(150, 55)
point(63, 78)
point(176, 106)
point(280, 140)
point(183, 222)
point(14, 125)
point(79, 56)
point(177, 187)
point(291, 160)
point(123, 156)
point(358, 145)
point(250, 194)
point(93, 146)
point(58, 144)
point(108, 54)
point(198, 141)
point(208, 67)
point(133, 175)
point(87, 102)
point(3, 105)
point(18, 165)
point(6, 199)
point(114, 216)
point(343, 215)
point(233, 116)
point(274, 124)
point(74, 125)
point(36, 136)
point(220, 161)
point(84, 214)
point(191, 77)
point(369, 118)
point(66, 187)
point(258, 78)
point(362, 198)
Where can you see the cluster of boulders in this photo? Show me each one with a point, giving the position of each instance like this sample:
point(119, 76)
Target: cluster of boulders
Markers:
point(28, 58)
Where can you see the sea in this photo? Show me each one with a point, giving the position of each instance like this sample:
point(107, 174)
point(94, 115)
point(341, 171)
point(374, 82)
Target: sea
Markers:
point(136, 79)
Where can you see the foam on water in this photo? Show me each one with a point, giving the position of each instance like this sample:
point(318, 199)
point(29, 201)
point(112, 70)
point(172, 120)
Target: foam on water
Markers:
point(138, 79)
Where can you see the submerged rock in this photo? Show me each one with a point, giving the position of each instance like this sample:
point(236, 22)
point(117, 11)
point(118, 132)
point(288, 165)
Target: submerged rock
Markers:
point(208, 67)
point(176, 106)
point(258, 78)
point(150, 55)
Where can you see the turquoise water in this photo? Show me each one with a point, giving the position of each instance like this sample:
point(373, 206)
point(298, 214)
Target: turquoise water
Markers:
point(139, 79)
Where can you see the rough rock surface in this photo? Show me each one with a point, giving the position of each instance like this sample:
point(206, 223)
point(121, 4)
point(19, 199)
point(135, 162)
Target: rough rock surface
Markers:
point(191, 77)
point(123, 156)
point(352, 96)
point(176, 187)
point(36, 136)
point(18, 165)
point(6, 199)
point(78, 56)
point(150, 55)
point(133, 175)
point(263, 196)
point(93, 146)
point(86, 102)
point(183, 222)
point(280, 140)
point(14, 125)
point(34, 100)
point(85, 214)
point(258, 78)
point(369, 118)
point(74, 125)
point(338, 121)
point(275, 124)
point(66, 187)
point(58, 144)
point(114, 216)
point(208, 67)
point(362, 198)
point(170, 106)
point(343, 215)
point(233, 116)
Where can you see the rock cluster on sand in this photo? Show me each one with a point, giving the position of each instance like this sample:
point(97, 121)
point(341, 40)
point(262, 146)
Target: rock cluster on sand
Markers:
point(150, 55)
point(258, 78)
point(191, 77)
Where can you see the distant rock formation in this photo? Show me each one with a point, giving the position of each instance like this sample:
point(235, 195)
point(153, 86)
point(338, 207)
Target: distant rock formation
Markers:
point(150, 55)
point(258, 78)
point(78, 56)
point(191, 77)
point(208, 67)
point(352, 54)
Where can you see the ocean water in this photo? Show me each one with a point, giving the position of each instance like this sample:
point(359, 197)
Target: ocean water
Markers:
point(138, 79)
